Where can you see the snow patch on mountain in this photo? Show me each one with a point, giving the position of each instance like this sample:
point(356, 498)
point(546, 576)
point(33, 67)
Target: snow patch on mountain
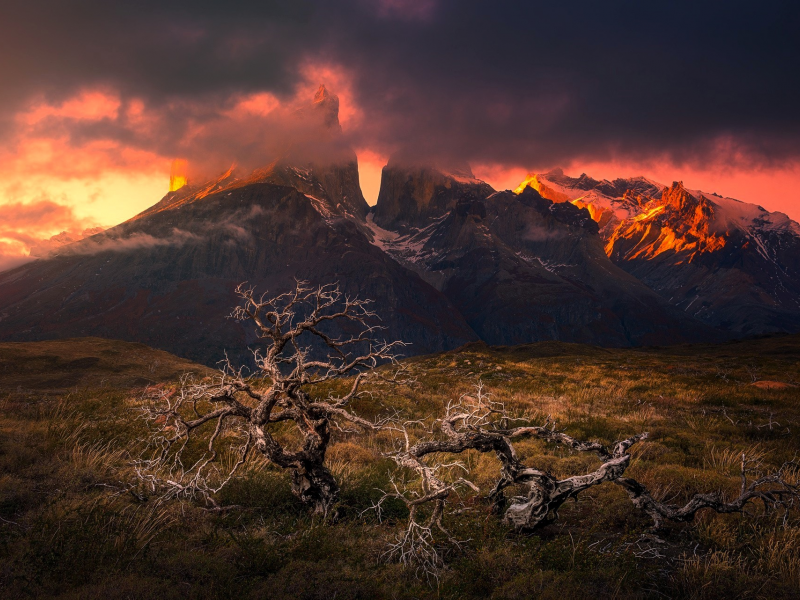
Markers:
point(746, 216)
point(642, 201)
point(552, 266)
point(403, 247)
point(321, 207)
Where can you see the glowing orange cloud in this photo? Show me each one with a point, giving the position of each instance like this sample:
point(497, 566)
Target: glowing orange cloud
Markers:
point(500, 177)
point(91, 105)
point(258, 103)
point(105, 180)
point(177, 175)
point(28, 226)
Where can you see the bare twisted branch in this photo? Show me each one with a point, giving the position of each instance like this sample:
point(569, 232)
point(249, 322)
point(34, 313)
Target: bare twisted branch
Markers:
point(243, 408)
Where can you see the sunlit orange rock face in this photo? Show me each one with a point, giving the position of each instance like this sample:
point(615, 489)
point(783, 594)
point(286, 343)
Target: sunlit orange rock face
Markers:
point(327, 105)
point(640, 226)
point(177, 175)
point(728, 263)
point(533, 180)
point(678, 222)
point(600, 214)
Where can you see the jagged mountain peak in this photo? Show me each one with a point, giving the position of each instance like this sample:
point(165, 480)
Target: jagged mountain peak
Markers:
point(322, 93)
point(327, 105)
point(414, 191)
point(560, 187)
point(168, 278)
point(322, 166)
point(413, 162)
point(333, 188)
point(678, 198)
point(522, 267)
point(730, 263)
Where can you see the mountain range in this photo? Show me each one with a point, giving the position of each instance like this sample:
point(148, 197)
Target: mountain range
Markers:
point(446, 258)
point(730, 264)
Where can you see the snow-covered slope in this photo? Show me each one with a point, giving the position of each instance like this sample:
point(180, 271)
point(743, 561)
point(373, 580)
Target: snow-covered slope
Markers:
point(609, 202)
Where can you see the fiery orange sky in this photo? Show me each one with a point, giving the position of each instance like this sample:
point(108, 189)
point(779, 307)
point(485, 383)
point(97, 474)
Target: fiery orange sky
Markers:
point(52, 182)
point(99, 98)
point(772, 188)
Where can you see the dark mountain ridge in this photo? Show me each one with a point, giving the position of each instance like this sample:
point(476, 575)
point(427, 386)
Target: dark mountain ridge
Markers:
point(167, 278)
point(446, 259)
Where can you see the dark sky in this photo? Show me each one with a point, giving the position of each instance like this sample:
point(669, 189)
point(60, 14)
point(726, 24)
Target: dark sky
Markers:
point(488, 81)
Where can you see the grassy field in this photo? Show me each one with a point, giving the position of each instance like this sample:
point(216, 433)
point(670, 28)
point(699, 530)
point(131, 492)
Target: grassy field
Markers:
point(70, 425)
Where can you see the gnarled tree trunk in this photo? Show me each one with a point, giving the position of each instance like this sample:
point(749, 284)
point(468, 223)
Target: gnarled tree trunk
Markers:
point(250, 407)
point(316, 487)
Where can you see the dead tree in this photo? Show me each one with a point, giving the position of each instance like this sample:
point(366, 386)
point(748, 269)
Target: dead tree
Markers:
point(238, 414)
point(775, 491)
point(476, 423)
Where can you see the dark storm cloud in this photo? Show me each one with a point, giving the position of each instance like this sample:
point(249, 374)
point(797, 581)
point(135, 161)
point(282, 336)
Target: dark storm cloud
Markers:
point(511, 82)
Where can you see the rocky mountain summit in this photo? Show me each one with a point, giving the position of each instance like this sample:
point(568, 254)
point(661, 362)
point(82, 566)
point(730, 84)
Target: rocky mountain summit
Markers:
point(412, 194)
point(447, 259)
point(731, 264)
point(520, 267)
point(167, 276)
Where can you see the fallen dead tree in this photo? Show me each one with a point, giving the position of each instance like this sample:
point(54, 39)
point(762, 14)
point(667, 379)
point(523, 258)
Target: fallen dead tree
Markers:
point(475, 423)
point(206, 430)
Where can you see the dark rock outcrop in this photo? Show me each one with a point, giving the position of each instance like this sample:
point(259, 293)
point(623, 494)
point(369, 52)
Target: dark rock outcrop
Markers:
point(411, 196)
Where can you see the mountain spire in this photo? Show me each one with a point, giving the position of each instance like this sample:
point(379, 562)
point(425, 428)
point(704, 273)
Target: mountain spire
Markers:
point(327, 105)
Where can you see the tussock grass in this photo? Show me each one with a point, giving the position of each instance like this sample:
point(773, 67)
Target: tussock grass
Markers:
point(73, 526)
